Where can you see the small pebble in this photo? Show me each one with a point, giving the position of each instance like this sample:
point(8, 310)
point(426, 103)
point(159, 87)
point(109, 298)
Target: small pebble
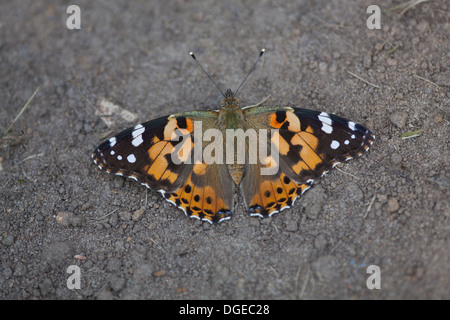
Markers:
point(159, 273)
point(399, 118)
point(137, 214)
point(63, 218)
point(396, 158)
point(8, 240)
point(367, 61)
point(392, 205)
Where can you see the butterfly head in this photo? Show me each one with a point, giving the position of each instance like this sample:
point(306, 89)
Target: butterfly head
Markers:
point(230, 100)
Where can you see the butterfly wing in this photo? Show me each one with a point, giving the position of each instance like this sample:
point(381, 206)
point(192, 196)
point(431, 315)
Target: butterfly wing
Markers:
point(207, 193)
point(307, 144)
point(159, 155)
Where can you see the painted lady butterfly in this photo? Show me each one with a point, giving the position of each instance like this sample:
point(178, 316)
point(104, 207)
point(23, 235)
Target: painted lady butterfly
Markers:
point(304, 145)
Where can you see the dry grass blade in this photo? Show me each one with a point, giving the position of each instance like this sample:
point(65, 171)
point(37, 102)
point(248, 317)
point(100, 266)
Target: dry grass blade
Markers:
point(358, 77)
point(426, 80)
point(370, 206)
point(411, 134)
point(407, 5)
point(25, 106)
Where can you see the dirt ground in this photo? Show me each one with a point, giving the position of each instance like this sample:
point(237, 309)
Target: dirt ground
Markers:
point(388, 208)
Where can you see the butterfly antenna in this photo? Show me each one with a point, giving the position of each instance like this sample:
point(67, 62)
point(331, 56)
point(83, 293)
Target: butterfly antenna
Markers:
point(210, 78)
point(251, 70)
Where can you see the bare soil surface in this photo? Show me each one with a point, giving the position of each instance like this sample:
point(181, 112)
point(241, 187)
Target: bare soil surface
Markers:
point(388, 208)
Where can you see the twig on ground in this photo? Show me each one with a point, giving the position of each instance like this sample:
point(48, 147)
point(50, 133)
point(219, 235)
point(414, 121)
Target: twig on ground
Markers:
point(370, 206)
point(426, 80)
point(21, 111)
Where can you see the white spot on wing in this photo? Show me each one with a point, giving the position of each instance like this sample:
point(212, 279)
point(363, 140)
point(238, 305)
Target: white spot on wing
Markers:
point(119, 157)
point(131, 158)
point(112, 142)
point(351, 125)
point(137, 135)
point(326, 122)
point(334, 145)
point(223, 219)
point(205, 219)
point(306, 189)
point(138, 130)
point(256, 215)
point(137, 141)
point(346, 142)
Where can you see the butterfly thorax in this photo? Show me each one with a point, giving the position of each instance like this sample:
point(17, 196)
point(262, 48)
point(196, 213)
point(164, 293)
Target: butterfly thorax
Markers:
point(231, 116)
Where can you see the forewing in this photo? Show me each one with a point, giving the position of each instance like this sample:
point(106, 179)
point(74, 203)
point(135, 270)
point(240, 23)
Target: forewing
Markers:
point(144, 153)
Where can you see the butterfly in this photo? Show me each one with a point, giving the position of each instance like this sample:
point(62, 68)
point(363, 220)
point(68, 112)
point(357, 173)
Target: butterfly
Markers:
point(294, 146)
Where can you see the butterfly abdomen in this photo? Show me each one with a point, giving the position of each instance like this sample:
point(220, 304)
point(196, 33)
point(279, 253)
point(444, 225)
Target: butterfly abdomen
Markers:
point(236, 171)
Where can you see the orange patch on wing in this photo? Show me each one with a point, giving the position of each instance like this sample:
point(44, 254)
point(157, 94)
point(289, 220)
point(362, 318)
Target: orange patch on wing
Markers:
point(280, 143)
point(280, 192)
point(269, 162)
point(273, 121)
point(267, 194)
point(300, 166)
point(186, 193)
point(294, 121)
point(256, 200)
point(310, 139)
point(220, 204)
point(209, 201)
point(272, 196)
point(200, 168)
point(155, 150)
point(196, 201)
point(283, 192)
point(307, 153)
point(155, 140)
point(169, 129)
point(189, 125)
point(184, 150)
point(304, 186)
point(200, 202)
point(169, 175)
point(160, 164)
